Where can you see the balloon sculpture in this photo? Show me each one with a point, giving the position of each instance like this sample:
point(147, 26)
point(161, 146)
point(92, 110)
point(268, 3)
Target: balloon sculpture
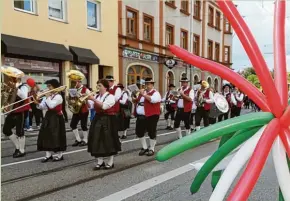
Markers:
point(249, 137)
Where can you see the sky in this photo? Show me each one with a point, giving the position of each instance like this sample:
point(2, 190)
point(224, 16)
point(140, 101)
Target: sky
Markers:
point(259, 16)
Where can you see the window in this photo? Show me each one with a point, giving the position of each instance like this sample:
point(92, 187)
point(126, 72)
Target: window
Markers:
point(148, 28)
point(196, 44)
point(25, 5)
point(57, 9)
point(136, 74)
point(227, 26)
point(93, 15)
point(183, 39)
point(210, 15)
point(210, 49)
point(197, 9)
point(170, 3)
point(217, 52)
point(218, 20)
point(132, 23)
point(227, 57)
point(170, 78)
point(169, 35)
point(184, 5)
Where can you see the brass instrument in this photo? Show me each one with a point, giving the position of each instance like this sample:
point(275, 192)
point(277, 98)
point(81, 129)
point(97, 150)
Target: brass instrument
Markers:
point(175, 93)
point(8, 87)
point(76, 102)
point(36, 98)
point(200, 99)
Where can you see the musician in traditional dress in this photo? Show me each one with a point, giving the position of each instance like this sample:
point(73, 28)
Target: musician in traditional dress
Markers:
point(103, 134)
point(236, 108)
point(184, 107)
point(212, 120)
point(125, 112)
point(204, 101)
point(34, 111)
point(170, 106)
point(116, 92)
point(82, 114)
point(52, 134)
point(17, 117)
point(230, 99)
point(147, 111)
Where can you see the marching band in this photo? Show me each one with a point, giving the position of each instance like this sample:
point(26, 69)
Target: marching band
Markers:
point(112, 104)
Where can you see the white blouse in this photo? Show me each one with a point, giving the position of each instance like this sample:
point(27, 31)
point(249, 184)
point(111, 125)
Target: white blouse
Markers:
point(107, 103)
point(52, 101)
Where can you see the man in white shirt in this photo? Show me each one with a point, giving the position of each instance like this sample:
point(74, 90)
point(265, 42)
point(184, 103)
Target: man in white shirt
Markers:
point(16, 119)
point(148, 112)
point(170, 106)
point(239, 99)
point(204, 101)
point(184, 107)
point(230, 99)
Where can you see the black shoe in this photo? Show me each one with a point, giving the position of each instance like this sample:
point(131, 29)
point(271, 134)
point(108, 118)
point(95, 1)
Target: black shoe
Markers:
point(150, 153)
point(15, 153)
point(82, 143)
point(107, 167)
point(56, 159)
point(123, 137)
point(46, 159)
point(170, 128)
point(19, 154)
point(143, 152)
point(98, 166)
point(77, 143)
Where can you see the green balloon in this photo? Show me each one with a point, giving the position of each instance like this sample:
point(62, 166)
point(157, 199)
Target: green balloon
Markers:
point(216, 175)
point(220, 129)
point(281, 198)
point(220, 154)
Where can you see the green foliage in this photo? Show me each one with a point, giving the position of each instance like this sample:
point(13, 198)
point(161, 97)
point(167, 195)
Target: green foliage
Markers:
point(254, 80)
point(248, 71)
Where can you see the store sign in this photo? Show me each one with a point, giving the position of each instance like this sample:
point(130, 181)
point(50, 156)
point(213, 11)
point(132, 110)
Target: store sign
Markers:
point(140, 55)
point(83, 69)
point(31, 65)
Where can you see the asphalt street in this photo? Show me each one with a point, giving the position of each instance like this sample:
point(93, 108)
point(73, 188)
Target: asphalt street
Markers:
point(133, 178)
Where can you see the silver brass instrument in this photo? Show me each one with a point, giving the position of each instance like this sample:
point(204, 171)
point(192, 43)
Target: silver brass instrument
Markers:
point(175, 93)
point(200, 99)
point(220, 106)
point(8, 87)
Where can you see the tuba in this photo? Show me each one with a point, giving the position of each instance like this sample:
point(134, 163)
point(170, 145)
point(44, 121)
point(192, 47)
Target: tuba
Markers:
point(75, 100)
point(9, 88)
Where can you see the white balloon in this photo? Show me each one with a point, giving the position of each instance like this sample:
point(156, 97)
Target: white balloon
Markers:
point(281, 167)
point(235, 166)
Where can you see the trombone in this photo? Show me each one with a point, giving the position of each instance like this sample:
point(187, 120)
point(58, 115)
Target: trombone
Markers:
point(36, 98)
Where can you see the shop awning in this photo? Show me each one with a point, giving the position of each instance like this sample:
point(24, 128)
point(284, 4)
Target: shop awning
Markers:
point(34, 48)
point(82, 55)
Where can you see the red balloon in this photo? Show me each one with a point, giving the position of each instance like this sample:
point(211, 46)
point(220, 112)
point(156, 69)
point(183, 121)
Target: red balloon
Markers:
point(224, 72)
point(30, 82)
point(251, 47)
point(254, 168)
point(280, 72)
point(285, 137)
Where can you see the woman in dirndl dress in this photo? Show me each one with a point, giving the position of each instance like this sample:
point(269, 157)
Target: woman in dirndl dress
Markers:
point(52, 133)
point(103, 140)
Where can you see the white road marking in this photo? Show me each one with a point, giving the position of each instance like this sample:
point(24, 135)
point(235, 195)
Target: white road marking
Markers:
point(133, 190)
point(75, 151)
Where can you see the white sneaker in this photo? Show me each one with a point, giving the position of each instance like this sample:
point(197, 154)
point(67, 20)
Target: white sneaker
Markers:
point(30, 129)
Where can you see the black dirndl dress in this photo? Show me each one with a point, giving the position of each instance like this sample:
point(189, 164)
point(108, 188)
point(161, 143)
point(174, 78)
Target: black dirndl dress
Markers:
point(52, 134)
point(103, 140)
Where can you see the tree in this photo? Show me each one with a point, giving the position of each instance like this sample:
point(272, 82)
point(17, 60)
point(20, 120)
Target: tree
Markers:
point(254, 80)
point(248, 71)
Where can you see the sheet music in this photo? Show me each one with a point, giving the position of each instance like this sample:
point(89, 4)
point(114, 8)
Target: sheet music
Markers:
point(73, 92)
point(133, 87)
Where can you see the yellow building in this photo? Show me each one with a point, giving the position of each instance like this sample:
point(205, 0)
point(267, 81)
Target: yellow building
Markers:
point(47, 38)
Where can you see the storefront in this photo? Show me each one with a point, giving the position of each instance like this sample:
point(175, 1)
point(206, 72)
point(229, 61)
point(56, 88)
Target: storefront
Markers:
point(37, 59)
point(40, 71)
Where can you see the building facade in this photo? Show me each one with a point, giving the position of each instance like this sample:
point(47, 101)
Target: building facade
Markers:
point(146, 28)
point(47, 38)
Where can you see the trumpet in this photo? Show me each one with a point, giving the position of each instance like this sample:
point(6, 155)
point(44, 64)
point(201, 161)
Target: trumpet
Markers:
point(36, 98)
